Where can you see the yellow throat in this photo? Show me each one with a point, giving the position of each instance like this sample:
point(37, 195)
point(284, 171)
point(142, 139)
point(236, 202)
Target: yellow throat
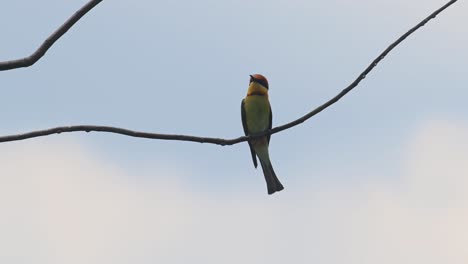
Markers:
point(257, 89)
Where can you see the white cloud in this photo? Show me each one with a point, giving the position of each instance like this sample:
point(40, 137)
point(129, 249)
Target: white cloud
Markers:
point(61, 203)
point(438, 163)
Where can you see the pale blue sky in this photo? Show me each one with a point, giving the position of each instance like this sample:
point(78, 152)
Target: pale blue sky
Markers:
point(182, 67)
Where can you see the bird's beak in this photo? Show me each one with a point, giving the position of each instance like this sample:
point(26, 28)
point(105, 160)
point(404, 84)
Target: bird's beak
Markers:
point(252, 77)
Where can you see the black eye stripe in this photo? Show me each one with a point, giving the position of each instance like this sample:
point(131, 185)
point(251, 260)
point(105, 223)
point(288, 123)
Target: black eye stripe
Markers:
point(262, 82)
point(259, 81)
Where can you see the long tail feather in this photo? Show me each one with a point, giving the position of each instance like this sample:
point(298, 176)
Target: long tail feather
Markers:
point(273, 184)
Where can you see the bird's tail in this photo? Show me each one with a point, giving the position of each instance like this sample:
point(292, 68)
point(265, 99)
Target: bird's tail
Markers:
point(273, 184)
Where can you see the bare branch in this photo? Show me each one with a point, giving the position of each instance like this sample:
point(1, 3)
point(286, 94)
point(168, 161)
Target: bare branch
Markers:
point(121, 131)
point(363, 74)
point(220, 141)
point(33, 58)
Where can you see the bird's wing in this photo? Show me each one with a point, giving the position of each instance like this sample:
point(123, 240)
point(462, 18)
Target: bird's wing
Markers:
point(244, 124)
point(270, 123)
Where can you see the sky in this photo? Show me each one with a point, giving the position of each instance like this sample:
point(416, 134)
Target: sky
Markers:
point(379, 177)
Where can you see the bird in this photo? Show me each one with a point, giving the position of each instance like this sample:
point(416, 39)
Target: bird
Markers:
point(257, 117)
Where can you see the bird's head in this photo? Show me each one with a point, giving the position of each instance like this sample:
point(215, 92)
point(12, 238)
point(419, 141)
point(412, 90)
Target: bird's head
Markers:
point(260, 79)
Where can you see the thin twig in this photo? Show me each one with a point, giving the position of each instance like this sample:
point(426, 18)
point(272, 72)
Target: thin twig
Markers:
point(220, 141)
point(33, 58)
point(363, 74)
point(121, 131)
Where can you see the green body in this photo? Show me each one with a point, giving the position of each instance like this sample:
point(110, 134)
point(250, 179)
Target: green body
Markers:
point(256, 118)
point(257, 110)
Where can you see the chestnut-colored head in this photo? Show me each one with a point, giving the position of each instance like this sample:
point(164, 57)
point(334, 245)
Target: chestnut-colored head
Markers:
point(260, 79)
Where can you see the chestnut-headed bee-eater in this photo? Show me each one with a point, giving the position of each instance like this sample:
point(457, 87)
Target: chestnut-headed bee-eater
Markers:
point(256, 118)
